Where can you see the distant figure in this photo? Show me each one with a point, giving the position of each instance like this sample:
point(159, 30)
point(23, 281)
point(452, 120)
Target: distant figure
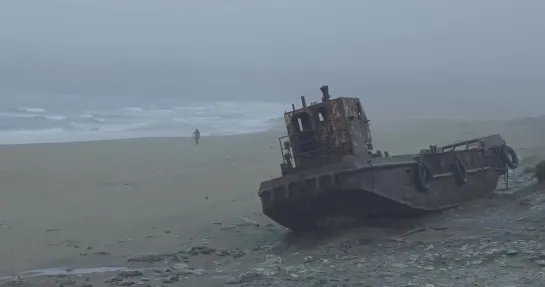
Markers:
point(197, 136)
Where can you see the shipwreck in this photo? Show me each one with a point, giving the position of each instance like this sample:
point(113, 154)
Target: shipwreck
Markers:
point(332, 177)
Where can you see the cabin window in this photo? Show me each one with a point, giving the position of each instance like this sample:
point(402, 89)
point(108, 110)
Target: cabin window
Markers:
point(322, 114)
point(302, 122)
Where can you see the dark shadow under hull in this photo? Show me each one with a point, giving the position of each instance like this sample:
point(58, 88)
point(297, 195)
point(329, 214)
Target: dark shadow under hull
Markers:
point(339, 209)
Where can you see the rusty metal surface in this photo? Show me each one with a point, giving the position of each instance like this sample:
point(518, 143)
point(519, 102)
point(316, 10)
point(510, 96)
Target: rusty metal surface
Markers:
point(330, 170)
point(343, 130)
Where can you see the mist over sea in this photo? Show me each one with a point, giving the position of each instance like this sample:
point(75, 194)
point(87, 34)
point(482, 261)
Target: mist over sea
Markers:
point(42, 122)
point(163, 69)
point(51, 101)
point(54, 117)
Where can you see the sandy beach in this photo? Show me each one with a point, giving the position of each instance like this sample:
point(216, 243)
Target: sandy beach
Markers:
point(95, 204)
point(60, 199)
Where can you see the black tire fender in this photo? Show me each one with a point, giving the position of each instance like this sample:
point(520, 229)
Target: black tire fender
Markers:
point(509, 157)
point(423, 176)
point(460, 171)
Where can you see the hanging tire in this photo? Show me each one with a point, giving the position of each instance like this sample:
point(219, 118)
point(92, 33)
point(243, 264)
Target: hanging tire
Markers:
point(423, 176)
point(460, 171)
point(509, 157)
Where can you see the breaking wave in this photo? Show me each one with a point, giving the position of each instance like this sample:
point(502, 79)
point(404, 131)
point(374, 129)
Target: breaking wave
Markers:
point(35, 124)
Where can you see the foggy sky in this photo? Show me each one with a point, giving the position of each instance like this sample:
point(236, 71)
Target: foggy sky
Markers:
point(122, 47)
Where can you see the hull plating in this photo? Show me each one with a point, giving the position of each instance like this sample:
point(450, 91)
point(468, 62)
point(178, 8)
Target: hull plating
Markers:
point(346, 197)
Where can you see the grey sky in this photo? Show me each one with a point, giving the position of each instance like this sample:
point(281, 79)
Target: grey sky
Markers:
point(169, 40)
point(416, 34)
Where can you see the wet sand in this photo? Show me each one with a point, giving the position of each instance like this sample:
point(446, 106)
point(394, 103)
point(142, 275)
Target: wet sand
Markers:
point(95, 204)
point(123, 197)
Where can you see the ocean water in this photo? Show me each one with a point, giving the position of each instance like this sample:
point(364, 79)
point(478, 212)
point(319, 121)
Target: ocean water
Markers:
point(38, 117)
point(69, 122)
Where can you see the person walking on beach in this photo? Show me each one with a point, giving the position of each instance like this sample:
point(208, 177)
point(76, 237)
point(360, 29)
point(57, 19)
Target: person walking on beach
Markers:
point(196, 136)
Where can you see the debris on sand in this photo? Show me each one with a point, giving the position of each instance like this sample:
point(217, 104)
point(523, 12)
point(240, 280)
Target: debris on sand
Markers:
point(131, 273)
point(252, 222)
point(149, 257)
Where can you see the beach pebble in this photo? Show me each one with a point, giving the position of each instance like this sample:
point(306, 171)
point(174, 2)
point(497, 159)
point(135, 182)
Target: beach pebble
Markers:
point(180, 266)
point(130, 273)
point(146, 258)
point(227, 228)
point(429, 268)
point(273, 260)
point(196, 250)
point(238, 254)
point(222, 253)
point(170, 280)
point(244, 278)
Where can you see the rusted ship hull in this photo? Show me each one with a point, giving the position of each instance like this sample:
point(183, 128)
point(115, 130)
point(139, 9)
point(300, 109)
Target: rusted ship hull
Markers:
point(332, 176)
point(336, 198)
